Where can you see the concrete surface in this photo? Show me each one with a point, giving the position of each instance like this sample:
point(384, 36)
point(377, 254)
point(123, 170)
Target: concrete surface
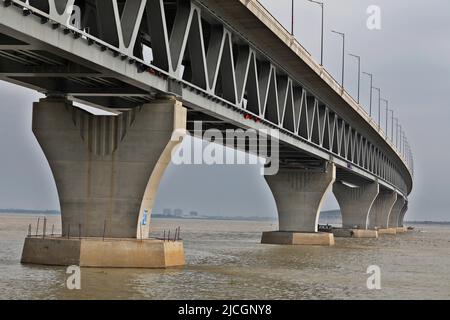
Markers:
point(387, 231)
point(402, 215)
point(354, 233)
point(396, 212)
point(299, 196)
point(107, 168)
point(355, 203)
point(297, 238)
point(108, 253)
point(381, 210)
point(401, 230)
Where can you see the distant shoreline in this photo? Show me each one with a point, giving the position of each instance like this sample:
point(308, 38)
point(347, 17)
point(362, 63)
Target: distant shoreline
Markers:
point(219, 218)
point(25, 211)
point(260, 219)
point(427, 222)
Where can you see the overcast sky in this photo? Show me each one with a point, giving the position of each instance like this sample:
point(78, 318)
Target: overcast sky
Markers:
point(410, 60)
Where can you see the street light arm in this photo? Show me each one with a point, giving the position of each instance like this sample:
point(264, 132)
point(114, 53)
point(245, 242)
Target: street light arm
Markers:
point(359, 74)
point(379, 106)
point(343, 56)
point(341, 33)
point(321, 41)
point(371, 86)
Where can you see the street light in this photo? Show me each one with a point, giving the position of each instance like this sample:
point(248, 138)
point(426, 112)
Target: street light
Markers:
point(371, 86)
point(405, 141)
point(392, 126)
point(401, 137)
point(387, 108)
point(359, 72)
point(396, 133)
point(343, 55)
point(321, 41)
point(292, 18)
point(406, 145)
point(379, 106)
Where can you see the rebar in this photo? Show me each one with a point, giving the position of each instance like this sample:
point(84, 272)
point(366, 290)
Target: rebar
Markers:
point(37, 226)
point(104, 230)
point(44, 228)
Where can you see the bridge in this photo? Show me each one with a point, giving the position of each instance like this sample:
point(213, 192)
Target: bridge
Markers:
point(159, 67)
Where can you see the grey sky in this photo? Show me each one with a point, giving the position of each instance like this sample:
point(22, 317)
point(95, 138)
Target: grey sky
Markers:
point(410, 60)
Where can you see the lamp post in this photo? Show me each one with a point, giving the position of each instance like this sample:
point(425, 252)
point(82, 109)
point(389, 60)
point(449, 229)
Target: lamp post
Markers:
point(343, 56)
point(405, 141)
point(359, 73)
point(392, 125)
point(379, 106)
point(387, 111)
point(400, 139)
point(371, 86)
point(292, 18)
point(321, 41)
point(396, 132)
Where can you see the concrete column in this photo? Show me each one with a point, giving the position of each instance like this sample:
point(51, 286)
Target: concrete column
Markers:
point(299, 195)
point(395, 212)
point(400, 227)
point(355, 204)
point(403, 214)
point(107, 168)
point(381, 209)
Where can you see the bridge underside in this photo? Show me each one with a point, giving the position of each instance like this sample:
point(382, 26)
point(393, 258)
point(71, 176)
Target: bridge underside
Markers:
point(35, 67)
point(93, 78)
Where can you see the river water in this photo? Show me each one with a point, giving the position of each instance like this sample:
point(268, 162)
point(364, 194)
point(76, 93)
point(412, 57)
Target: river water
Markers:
point(224, 260)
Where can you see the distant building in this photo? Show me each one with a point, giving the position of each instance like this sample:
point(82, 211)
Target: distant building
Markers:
point(193, 214)
point(178, 212)
point(167, 212)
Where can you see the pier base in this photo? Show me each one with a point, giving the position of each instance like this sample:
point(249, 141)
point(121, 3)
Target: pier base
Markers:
point(297, 238)
point(355, 233)
point(107, 253)
point(402, 230)
point(387, 231)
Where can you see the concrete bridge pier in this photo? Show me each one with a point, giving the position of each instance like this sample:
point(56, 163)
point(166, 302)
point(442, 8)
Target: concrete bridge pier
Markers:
point(394, 217)
point(355, 204)
point(396, 212)
point(107, 170)
point(381, 210)
point(400, 227)
point(299, 195)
